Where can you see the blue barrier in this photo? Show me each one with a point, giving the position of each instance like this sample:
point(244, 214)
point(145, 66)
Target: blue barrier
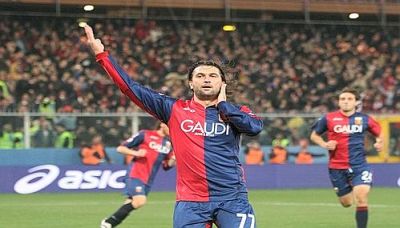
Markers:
point(55, 156)
point(79, 178)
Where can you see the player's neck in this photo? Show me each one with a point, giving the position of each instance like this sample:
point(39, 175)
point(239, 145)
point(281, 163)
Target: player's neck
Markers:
point(205, 103)
point(160, 133)
point(348, 113)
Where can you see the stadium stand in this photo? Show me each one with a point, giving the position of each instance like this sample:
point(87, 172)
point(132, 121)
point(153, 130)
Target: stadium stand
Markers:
point(45, 67)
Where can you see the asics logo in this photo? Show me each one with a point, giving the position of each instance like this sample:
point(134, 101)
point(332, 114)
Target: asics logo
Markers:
point(42, 176)
point(204, 129)
point(348, 129)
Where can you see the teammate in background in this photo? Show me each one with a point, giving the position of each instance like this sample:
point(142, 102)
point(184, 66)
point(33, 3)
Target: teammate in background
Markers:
point(150, 149)
point(349, 172)
point(205, 133)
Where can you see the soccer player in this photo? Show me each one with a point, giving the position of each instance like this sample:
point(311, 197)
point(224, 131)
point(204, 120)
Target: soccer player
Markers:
point(205, 133)
point(150, 149)
point(349, 172)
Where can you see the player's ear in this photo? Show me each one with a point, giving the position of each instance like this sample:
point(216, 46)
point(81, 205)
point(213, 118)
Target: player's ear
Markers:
point(190, 85)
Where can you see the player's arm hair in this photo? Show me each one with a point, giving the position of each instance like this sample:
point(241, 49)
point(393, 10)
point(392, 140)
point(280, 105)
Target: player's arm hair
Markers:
point(317, 139)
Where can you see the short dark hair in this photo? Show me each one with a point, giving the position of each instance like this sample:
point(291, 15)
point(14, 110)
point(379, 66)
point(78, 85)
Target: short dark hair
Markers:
point(156, 125)
point(350, 90)
point(206, 63)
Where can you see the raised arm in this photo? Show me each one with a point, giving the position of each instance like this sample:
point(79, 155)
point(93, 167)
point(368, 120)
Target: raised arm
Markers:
point(154, 103)
point(375, 129)
point(242, 118)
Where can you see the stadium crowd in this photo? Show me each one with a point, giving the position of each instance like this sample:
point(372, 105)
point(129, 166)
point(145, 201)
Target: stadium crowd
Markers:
point(46, 67)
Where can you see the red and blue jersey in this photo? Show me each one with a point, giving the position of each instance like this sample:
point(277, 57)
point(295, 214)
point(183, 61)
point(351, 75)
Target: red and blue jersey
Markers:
point(349, 132)
point(159, 150)
point(206, 148)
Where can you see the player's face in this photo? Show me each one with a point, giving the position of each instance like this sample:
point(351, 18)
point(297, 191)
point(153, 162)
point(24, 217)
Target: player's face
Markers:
point(206, 82)
point(347, 102)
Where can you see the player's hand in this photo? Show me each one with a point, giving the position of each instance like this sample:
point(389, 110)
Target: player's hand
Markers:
point(172, 161)
point(141, 153)
point(95, 44)
point(331, 145)
point(222, 93)
point(378, 145)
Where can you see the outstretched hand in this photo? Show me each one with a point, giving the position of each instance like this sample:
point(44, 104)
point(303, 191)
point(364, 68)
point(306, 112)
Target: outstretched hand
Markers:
point(95, 44)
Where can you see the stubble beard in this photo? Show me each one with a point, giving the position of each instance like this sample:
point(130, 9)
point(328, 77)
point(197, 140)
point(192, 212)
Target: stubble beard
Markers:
point(205, 96)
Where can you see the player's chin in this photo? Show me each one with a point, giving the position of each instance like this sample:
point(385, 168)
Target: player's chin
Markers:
point(206, 96)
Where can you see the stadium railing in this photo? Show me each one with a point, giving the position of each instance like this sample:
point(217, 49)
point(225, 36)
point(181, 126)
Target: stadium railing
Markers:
point(116, 127)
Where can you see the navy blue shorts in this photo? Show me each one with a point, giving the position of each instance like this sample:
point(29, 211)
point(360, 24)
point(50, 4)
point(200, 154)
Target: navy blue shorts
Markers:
point(225, 214)
point(343, 180)
point(135, 187)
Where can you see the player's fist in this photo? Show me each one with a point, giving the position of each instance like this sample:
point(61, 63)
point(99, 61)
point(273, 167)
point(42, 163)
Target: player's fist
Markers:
point(141, 153)
point(378, 145)
point(95, 44)
point(331, 145)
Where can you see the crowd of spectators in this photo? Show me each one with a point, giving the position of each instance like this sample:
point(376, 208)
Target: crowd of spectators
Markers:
point(46, 67)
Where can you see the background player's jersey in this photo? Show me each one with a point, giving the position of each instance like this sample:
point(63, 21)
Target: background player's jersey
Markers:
point(349, 132)
point(158, 151)
point(206, 148)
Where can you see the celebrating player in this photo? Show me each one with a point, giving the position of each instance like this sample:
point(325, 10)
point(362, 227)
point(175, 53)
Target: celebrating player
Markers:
point(349, 172)
point(153, 150)
point(205, 133)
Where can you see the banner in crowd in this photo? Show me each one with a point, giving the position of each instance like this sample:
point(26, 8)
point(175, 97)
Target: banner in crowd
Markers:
point(53, 178)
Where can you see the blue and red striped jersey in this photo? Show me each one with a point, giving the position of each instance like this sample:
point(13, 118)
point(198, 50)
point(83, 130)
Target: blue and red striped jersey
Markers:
point(206, 148)
point(159, 150)
point(349, 132)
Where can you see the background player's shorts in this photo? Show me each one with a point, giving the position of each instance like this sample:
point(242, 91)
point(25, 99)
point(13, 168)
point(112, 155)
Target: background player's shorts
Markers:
point(226, 214)
point(343, 180)
point(135, 187)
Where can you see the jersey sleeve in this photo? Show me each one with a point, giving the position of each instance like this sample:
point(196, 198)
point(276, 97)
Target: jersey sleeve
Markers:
point(135, 140)
point(374, 127)
point(242, 118)
point(150, 101)
point(320, 126)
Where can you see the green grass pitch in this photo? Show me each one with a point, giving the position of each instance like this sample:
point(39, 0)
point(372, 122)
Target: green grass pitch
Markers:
point(274, 208)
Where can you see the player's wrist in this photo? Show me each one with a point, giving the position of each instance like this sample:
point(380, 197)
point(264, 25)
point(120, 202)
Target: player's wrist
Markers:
point(101, 55)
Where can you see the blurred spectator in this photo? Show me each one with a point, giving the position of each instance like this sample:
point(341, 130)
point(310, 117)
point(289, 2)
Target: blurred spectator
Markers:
point(304, 156)
point(44, 136)
point(6, 137)
point(254, 154)
point(278, 155)
point(69, 122)
point(47, 107)
point(18, 139)
point(95, 153)
point(65, 138)
point(280, 140)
